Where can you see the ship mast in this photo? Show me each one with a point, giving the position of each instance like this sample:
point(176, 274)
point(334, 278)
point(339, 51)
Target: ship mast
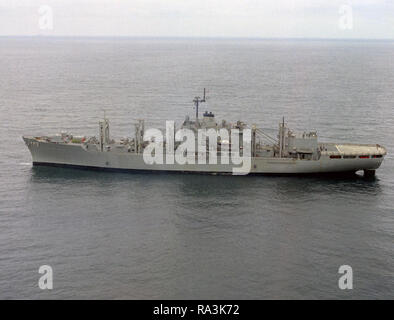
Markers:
point(197, 101)
point(281, 137)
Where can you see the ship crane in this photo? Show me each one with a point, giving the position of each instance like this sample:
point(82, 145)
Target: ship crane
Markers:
point(268, 137)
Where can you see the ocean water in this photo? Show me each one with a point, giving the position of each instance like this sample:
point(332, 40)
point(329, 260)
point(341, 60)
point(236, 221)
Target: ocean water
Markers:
point(145, 236)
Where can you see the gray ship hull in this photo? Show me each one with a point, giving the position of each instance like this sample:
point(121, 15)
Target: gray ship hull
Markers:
point(77, 155)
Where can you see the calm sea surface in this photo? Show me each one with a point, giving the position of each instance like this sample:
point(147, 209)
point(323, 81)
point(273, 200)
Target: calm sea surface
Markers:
point(143, 236)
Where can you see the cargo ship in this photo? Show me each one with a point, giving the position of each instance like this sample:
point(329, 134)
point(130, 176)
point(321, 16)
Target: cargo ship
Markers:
point(237, 148)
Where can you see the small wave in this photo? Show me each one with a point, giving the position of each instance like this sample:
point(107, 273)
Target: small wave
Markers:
point(25, 164)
